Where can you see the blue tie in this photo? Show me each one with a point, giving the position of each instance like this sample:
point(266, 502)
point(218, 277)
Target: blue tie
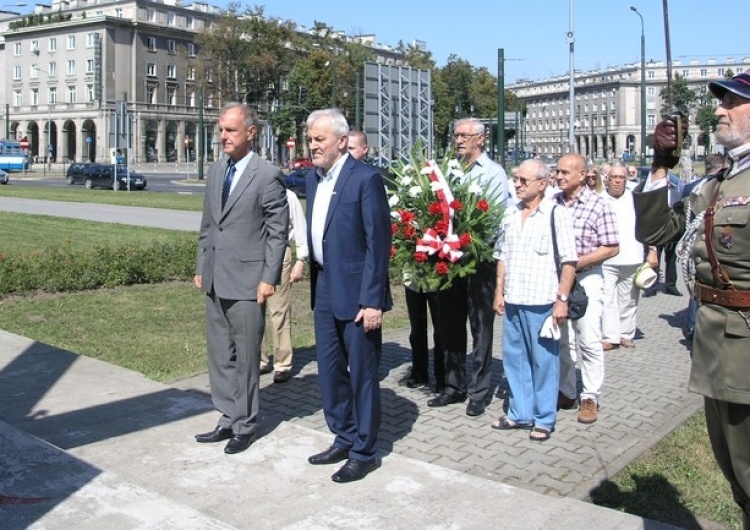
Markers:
point(228, 177)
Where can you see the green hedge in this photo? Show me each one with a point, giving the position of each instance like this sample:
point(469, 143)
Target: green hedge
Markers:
point(63, 268)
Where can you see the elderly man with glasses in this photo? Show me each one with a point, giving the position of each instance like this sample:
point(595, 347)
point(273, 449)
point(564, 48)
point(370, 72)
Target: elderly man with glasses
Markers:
point(473, 296)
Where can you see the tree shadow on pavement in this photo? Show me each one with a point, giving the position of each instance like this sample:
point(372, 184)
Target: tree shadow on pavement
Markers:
point(653, 497)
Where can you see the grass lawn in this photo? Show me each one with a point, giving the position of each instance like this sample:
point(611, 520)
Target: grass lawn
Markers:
point(144, 199)
point(29, 233)
point(157, 330)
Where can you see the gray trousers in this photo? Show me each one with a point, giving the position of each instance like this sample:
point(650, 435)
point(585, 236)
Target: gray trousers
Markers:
point(234, 332)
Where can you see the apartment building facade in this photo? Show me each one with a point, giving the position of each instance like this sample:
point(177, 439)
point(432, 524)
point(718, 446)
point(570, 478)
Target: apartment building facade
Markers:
point(607, 108)
point(68, 67)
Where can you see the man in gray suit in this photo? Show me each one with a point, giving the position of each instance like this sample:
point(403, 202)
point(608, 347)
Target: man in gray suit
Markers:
point(243, 236)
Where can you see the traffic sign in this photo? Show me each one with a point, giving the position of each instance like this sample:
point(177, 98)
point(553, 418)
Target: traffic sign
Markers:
point(290, 143)
point(24, 144)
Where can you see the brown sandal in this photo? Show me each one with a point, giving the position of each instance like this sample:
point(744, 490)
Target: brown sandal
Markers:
point(540, 434)
point(506, 424)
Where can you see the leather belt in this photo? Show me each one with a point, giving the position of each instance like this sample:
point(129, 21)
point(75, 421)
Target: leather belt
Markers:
point(731, 298)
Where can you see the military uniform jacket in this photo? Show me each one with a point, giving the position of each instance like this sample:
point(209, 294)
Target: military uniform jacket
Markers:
point(721, 345)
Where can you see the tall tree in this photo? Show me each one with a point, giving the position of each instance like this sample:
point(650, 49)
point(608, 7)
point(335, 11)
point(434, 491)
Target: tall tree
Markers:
point(682, 97)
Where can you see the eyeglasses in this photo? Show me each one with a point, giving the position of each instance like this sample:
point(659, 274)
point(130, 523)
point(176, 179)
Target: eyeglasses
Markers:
point(591, 176)
point(616, 177)
point(525, 181)
point(464, 136)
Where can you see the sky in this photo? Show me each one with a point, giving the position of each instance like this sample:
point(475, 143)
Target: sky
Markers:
point(533, 32)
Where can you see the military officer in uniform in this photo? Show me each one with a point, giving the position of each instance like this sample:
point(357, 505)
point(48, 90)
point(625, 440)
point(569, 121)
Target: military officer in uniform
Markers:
point(718, 243)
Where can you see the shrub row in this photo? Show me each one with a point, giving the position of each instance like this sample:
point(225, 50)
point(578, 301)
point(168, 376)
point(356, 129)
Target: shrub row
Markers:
point(65, 268)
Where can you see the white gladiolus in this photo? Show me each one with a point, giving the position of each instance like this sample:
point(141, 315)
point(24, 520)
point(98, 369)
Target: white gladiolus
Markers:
point(414, 191)
point(406, 181)
point(454, 164)
point(408, 168)
point(458, 172)
point(476, 189)
point(393, 201)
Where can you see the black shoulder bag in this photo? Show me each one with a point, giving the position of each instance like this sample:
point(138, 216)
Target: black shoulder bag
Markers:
point(578, 300)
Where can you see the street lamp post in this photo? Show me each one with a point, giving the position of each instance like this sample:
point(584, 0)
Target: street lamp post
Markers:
point(48, 136)
point(643, 87)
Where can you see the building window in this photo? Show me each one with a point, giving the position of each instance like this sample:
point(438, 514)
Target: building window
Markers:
point(89, 66)
point(189, 22)
point(651, 120)
point(52, 69)
point(72, 94)
point(151, 69)
point(17, 98)
point(651, 91)
point(17, 72)
point(721, 72)
point(151, 94)
point(171, 95)
point(171, 46)
point(52, 96)
point(151, 44)
point(90, 40)
point(89, 93)
point(209, 101)
point(71, 42)
point(118, 12)
point(191, 73)
point(171, 71)
point(191, 99)
point(71, 67)
point(34, 97)
point(35, 46)
point(191, 49)
point(17, 49)
point(151, 15)
point(171, 19)
point(686, 73)
point(704, 72)
point(34, 72)
point(651, 74)
point(53, 44)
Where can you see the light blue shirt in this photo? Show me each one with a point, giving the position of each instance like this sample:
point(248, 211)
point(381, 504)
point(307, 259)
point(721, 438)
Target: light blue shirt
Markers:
point(488, 173)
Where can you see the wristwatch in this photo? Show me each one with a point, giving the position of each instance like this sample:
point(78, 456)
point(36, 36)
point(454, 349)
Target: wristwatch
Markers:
point(562, 297)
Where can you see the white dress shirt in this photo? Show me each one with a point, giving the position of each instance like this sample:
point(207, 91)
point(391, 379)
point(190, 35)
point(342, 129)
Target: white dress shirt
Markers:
point(323, 194)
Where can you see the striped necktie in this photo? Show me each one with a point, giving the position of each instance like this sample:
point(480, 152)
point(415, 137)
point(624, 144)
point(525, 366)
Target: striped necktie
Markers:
point(228, 177)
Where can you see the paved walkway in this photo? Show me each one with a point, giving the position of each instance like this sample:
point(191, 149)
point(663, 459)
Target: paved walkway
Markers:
point(128, 457)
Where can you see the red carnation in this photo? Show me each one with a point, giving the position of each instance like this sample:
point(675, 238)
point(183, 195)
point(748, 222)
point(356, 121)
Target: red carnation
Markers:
point(483, 205)
point(464, 239)
point(407, 217)
point(420, 257)
point(456, 205)
point(394, 229)
point(435, 208)
point(409, 231)
point(393, 251)
point(441, 227)
point(441, 268)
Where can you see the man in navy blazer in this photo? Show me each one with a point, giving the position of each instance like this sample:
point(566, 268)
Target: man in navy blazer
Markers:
point(349, 240)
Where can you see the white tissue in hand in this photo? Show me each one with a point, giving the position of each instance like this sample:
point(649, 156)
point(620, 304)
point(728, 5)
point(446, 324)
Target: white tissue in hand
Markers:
point(550, 330)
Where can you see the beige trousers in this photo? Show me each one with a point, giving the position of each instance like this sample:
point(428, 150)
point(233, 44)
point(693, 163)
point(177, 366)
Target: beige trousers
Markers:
point(279, 323)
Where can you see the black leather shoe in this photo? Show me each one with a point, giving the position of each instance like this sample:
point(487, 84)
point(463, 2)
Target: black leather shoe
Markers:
point(332, 455)
point(445, 399)
point(217, 435)
point(475, 408)
point(673, 291)
point(282, 377)
point(266, 369)
point(650, 292)
point(354, 470)
point(238, 443)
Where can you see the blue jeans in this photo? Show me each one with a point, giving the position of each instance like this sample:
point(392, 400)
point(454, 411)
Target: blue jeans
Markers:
point(532, 366)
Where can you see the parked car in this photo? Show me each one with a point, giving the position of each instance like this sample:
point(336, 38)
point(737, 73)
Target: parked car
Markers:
point(102, 176)
point(3, 177)
point(297, 182)
point(300, 163)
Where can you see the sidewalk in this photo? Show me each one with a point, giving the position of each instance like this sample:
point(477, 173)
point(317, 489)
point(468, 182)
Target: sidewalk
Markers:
point(91, 445)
